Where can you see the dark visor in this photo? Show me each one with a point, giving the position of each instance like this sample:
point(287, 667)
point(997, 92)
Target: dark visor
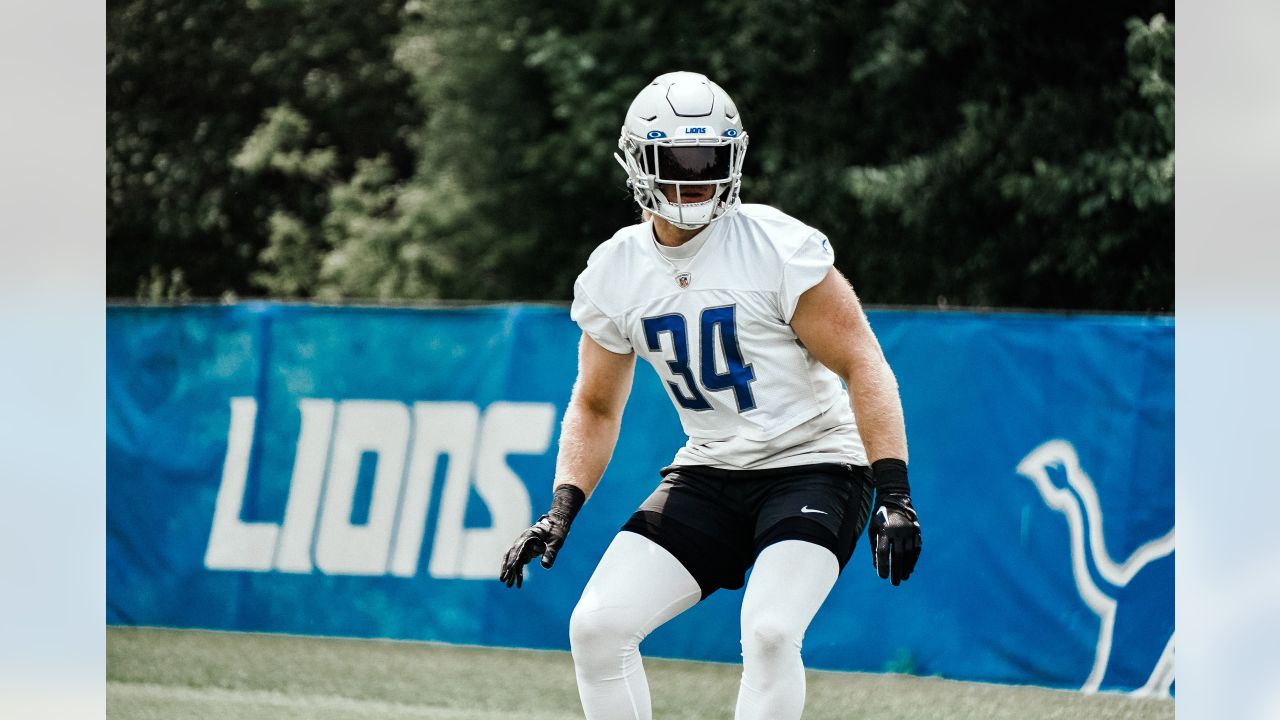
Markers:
point(693, 163)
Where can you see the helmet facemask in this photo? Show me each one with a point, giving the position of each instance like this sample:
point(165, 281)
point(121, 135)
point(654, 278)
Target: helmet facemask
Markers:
point(652, 163)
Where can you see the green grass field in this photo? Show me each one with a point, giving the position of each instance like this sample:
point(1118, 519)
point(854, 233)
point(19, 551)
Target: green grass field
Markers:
point(167, 674)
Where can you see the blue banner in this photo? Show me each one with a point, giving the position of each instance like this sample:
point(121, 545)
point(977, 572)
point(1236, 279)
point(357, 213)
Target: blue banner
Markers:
point(360, 471)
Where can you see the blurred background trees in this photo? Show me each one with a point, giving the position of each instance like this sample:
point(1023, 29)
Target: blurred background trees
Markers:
point(957, 153)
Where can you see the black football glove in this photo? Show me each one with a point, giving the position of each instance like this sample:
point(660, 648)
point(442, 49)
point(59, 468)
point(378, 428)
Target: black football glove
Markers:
point(894, 530)
point(545, 537)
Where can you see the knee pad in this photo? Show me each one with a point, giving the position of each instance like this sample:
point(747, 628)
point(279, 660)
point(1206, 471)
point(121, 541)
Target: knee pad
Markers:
point(601, 635)
point(769, 636)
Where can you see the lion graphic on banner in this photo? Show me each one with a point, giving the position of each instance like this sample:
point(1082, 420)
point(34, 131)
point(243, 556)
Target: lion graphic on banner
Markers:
point(1078, 502)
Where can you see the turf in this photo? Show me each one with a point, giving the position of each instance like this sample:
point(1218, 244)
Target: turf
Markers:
point(192, 674)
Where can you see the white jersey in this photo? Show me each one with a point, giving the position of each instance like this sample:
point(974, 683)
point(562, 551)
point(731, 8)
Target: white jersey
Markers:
point(713, 318)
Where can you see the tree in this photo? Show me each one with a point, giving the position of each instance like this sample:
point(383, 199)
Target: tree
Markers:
point(956, 153)
point(227, 123)
point(1055, 188)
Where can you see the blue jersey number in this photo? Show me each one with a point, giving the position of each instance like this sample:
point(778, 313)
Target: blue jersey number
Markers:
point(716, 323)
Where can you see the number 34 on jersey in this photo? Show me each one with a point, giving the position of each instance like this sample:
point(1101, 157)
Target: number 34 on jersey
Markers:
point(718, 342)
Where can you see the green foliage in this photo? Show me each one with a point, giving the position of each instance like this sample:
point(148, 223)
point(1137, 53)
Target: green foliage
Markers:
point(1050, 188)
point(159, 287)
point(226, 119)
point(393, 241)
point(974, 153)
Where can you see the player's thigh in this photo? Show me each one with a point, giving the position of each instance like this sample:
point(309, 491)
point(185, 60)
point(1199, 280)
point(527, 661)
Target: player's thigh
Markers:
point(637, 586)
point(789, 582)
point(826, 505)
point(700, 517)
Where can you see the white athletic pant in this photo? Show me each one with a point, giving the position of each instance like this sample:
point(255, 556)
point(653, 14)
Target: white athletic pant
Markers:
point(638, 586)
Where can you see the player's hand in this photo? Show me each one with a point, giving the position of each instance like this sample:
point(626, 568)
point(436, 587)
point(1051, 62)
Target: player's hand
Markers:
point(544, 538)
point(894, 532)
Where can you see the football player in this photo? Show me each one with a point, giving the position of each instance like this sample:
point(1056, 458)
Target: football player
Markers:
point(752, 331)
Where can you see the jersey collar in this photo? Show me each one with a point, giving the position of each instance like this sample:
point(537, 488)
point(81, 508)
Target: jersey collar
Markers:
point(687, 250)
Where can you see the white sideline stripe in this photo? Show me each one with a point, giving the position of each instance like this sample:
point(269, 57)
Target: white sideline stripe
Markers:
point(271, 698)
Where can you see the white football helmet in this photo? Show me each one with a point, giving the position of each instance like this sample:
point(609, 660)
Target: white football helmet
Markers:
point(682, 129)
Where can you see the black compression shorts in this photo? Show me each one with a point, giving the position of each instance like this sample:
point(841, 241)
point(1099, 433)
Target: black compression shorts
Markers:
point(716, 522)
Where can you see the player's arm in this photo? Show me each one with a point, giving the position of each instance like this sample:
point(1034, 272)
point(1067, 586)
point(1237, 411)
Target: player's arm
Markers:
point(591, 422)
point(830, 322)
point(587, 438)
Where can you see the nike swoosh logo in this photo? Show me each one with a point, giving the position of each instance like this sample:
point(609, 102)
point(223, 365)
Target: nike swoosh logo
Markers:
point(807, 509)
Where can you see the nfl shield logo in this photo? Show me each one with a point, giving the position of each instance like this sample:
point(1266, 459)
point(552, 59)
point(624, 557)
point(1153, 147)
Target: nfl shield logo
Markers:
point(683, 280)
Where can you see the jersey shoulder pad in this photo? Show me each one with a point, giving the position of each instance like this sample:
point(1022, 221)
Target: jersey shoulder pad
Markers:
point(785, 235)
point(614, 258)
